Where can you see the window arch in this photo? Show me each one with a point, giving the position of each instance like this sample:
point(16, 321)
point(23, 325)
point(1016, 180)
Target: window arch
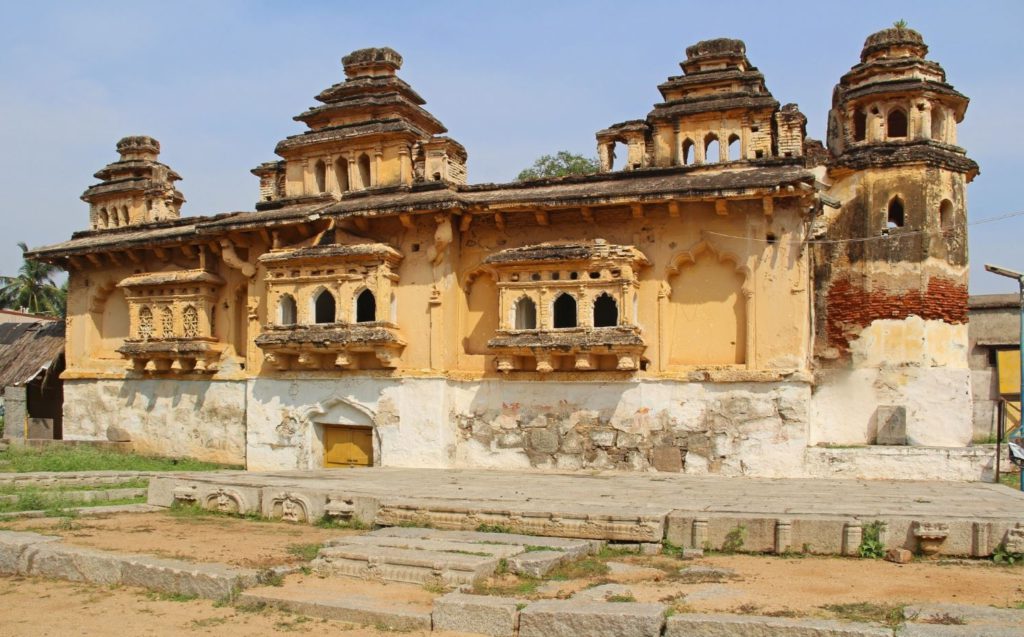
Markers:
point(366, 307)
point(124, 215)
point(860, 125)
point(895, 213)
point(525, 317)
point(606, 311)
point(364, 170)
point(688, 152)
point(166, 323)
point(320, 174)
point(565, 311)
point(324, 309)
point(145, 323)
point(946, 214)
point(896, 123)
point(190, 322)
point(341, 174)
point(712, 150)
point(734, 147)
point(103, 220)
point(286, 310)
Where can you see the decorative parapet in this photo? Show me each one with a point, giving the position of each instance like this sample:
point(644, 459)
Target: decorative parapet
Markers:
point(172, 354)
point(325, 347)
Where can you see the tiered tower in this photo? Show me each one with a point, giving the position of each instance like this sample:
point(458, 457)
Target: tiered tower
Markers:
point(135, 189)
point(891, 305)
point(370, 131)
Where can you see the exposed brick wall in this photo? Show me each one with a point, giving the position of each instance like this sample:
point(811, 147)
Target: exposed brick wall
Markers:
point(850, 307)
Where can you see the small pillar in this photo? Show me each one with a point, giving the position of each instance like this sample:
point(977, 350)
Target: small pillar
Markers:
point(700, 533)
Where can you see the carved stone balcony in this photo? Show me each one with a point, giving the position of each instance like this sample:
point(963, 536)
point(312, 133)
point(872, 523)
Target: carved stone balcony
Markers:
point(330, 346)
point(578, 348)
point(197, 355)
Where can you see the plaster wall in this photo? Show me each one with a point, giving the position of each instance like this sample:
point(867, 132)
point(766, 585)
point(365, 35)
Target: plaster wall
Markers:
point(201, 419)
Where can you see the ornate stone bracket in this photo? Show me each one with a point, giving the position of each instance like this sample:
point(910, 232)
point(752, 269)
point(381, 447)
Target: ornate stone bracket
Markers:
point(930, 536)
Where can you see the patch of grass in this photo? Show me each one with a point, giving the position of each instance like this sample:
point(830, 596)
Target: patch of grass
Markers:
point(580, 569)
point(54, 502)
point(609, 551)
point(890, 615)
point(1006, 558)
point(288, 625)
point(353, 523)
point(194, 510)
point(1011, 480)
point(508, 587)
point(502, 567)
point(416, 523)
point(209, 622)
point(436, 587)
point(460, 552)
point(15, 489)
point(494, 528)
point(621, 598)
point(305, 552)
point(534, 549)
point(270, 577)
point(871, 545)
point(20, 459)
point(734, 540)
point(157, 596)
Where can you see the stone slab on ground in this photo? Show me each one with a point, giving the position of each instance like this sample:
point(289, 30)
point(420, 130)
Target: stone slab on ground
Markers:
point(404, 565)
point(86, 512)
point(74, 478)
point(933, 630)
point(482, 614)
point(571, 618)
point(626, 571)
point(419, 544)
point(537, 563)
point(573, 546)
point(695, 625)
point(350, 608)
point(602, 593)
point(973, 615)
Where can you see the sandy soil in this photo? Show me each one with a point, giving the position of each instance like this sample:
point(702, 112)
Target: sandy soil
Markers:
point(221, 539)
point(37, 608)
point(801, 586)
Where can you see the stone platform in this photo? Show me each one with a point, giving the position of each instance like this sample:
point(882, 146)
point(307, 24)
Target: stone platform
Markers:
point(774, 515)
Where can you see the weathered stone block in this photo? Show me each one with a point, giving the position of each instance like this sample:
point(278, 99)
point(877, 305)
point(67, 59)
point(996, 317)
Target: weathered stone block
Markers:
point(209, 581)
point(537, 563)
point(899, 556)
point(485, 615)
point(892, 425)
point(544, 440)
point(75, 564)
point(667, 459)
point(570, 618)
point(603, 437)
point(688, 625)
point(13, 544)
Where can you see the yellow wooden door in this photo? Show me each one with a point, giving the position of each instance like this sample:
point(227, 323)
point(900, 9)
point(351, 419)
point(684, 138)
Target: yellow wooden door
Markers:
point(348, 447)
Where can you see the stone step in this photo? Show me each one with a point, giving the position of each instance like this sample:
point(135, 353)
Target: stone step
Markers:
point(405, 565)
point(385, 614)
point(419, 544)
point(574, 547)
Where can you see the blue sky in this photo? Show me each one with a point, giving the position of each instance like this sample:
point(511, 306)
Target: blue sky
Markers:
point(217, 82)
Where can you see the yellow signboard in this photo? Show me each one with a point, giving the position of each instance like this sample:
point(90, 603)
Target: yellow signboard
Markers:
point(1008, 366)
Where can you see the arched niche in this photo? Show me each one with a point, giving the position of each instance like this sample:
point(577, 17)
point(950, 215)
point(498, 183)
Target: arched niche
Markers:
point(708, 309)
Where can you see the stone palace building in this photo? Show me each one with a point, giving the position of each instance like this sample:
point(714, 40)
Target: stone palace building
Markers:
point(724, 296)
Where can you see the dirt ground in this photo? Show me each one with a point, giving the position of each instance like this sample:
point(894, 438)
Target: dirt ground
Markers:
point(800, 586)
point(235, 541)
point(38, 608)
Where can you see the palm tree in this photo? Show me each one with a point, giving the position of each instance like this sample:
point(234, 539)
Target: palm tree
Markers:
point(34, 289)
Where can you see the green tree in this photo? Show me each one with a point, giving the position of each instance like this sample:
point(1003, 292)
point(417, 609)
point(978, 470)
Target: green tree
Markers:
point(560, 164)
point(34, 289)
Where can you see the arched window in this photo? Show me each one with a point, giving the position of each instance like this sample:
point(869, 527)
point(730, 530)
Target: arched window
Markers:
point(124, 216)
point(712, 152)
point(364, 170)
point(286, 310)
point(190, 322)
point(896, 123)
point(565, 311)
point(166, 323)
point(688, 151)
point(324, 308)
point(366, 307)
point(734, 147)
point(145, 323)
point(320, 174)
point(103, 220)
point(938, 124)
point(525, 314)
point(946, 214)
point(341, 174)
point(896, 218)
point(860, 125)
point(606, 311)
